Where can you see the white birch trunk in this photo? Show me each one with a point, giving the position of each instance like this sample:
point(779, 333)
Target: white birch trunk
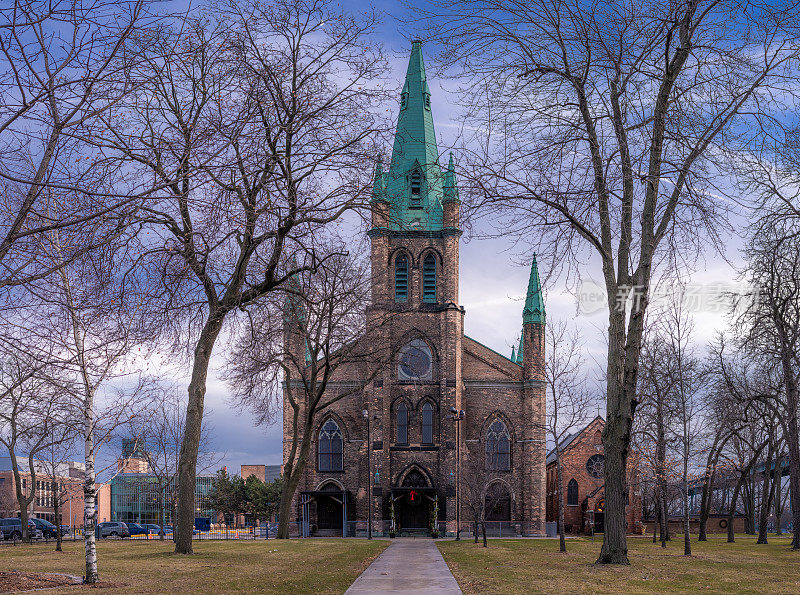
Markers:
point(89, 496)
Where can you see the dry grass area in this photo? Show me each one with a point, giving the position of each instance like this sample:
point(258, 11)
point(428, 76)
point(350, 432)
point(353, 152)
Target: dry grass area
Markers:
point(535, 566)
point(294, 566)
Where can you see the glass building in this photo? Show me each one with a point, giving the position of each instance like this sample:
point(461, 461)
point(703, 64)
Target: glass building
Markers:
point(141, 498)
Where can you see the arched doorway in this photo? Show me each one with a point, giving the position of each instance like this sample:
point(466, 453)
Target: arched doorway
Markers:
point(414, 514)
point(413, 501)
point(330, 510)
point(497, 509)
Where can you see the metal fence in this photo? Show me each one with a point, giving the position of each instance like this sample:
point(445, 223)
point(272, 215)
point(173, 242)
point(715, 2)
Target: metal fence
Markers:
point(358, 529)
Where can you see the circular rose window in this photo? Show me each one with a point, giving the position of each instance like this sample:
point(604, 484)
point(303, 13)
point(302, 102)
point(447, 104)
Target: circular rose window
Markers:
point(415, 361)
point(596, 465)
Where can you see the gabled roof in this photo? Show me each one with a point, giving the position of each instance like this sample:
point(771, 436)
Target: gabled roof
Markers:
point(566, 442)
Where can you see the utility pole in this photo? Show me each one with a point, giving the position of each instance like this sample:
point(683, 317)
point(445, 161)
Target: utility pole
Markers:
point(458, 417)
point(369, 478)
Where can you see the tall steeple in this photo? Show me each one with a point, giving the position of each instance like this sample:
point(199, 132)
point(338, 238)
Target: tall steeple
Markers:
point(414, 182)
point(533, 312)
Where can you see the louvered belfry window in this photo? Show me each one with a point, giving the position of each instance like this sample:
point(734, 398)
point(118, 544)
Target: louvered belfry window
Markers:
point(429, 279)
point(416, 190)
point(401, 278)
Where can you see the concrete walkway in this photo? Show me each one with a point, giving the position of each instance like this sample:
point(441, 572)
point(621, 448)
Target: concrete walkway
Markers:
point(407, 566)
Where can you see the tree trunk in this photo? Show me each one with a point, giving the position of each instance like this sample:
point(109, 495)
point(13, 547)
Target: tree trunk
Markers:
point(57, 515)
point(662, 515)
point(89, 497)
point(687, 542)
point(483, 530)
point(187, 465)
point(293, 470)
point(661, 458)
point(656, 515)
point(562, 543)
point(23, 501)
point(793, 442)
point(708, 483)
point(732, 508)
point(776, 482)
point(766, 491)
point(616, 439)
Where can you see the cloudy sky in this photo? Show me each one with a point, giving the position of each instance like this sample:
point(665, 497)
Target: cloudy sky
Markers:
point(493, 280)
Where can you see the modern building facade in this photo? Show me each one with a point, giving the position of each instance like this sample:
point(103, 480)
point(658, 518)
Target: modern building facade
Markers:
point(395, 447)
point(582, 467)
point(140, 498)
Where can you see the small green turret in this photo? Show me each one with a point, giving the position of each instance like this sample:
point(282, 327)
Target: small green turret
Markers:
point(533, 312)
point(450, 186)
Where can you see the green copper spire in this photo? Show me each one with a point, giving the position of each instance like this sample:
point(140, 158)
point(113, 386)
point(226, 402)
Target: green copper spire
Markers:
point(519, 351)
point(533, 312)
point(450, 186)
point(513, 355)
point(414, 180)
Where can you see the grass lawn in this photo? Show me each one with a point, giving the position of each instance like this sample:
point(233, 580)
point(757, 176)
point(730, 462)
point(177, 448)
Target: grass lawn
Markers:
point(533, 566)
point(304, 566)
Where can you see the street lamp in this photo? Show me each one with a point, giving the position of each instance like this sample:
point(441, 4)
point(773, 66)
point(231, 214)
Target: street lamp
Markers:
point(365, 412)
point(458, 416)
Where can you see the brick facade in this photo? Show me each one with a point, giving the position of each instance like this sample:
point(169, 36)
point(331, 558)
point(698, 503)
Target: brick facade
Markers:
point(464, 374)
point(588, 506)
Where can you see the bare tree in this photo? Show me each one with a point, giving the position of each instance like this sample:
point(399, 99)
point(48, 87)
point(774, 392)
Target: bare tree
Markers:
point(569, 403)
point(687, 387)
point(52, 462)
point(475, 493)
point(323, 322)
point(594, 121)
point(160, 434)
point(652, 426)
point(257, 119)
point(91, 320)
point(60, 69)
point(771, 323)
point(33, 414)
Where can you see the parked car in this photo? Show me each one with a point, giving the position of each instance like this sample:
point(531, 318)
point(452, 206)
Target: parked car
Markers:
point(136, 529)
point(152, 528)
point(48, 529)
point(112, 529)
point(12, 528)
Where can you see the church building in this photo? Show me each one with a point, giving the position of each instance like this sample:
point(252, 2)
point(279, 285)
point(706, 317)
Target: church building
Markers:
point(408, 448)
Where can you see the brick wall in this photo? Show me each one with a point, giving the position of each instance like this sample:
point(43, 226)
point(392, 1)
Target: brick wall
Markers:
point(590, 489)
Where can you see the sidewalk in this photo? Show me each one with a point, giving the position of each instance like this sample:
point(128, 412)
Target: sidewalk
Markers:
point(409, 566)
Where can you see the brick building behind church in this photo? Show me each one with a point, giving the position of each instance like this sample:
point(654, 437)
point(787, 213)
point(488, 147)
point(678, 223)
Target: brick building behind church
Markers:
point(582, 462)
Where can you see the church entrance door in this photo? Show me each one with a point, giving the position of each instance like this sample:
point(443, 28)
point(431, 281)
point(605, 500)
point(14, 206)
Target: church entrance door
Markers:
point(413, 502)
point(329, 512)
point(600, 516)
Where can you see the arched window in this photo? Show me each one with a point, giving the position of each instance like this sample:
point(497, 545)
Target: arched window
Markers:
point(416, 189)
point(402, 423)
point(427, 423)
point(498, 447)
point(330, 447)
point(429, 278)
point(401, 278)
point(572, 493)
